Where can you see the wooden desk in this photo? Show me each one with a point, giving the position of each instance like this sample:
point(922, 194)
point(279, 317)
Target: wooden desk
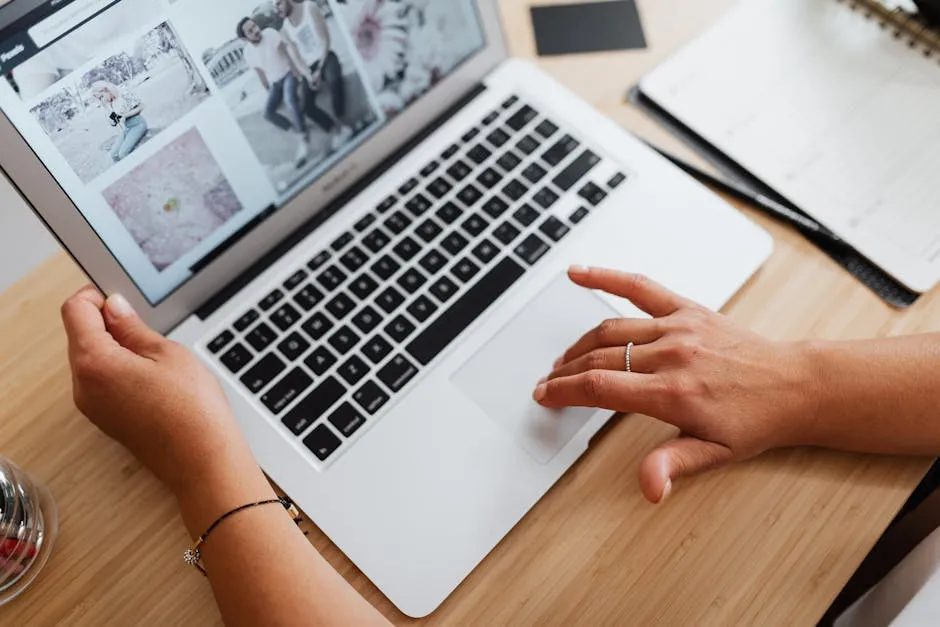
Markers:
point(769, 542)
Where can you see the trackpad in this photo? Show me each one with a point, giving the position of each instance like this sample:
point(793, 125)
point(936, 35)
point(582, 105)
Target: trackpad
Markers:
point(501, 377)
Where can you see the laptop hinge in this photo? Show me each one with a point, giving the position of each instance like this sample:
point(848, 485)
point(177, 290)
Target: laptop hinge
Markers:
point(272, 256)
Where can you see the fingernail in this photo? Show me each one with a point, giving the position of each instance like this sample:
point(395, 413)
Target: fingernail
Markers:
point(559, 361)
point(578, 269)
point(667, 490)
point(119, 307)
point(542, 380)
point(540, 392)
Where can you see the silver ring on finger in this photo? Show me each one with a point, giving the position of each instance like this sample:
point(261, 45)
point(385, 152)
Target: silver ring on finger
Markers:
point(629, 366)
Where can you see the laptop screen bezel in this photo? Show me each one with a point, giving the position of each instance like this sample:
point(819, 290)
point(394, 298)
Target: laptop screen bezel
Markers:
point(43, 194)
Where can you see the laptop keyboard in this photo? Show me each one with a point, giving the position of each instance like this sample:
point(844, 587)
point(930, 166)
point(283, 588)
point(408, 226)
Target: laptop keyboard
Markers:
point(340, 337)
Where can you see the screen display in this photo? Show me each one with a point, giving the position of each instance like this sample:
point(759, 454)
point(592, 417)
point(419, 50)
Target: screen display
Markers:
point(177, 125)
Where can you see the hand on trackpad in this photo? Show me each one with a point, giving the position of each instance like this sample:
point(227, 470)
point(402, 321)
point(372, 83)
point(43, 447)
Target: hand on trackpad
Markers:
point(500, 377)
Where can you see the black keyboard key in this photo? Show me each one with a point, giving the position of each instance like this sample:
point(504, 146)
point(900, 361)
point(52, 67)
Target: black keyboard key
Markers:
point(454, 243)
point(285, 317)
point(385, 267)
point(409, 185)
point(616, 180)
point(320, 360)
point(314, 405)
point(515, 189)
point(308, 297)
point(526, 215)
point(498, 138)
point(593, 194)
point(485, 251)
point(397, 373)
point(429, 230)
point(412, 280)
point(459, 171)
point(545, 198)
point(346, 420)
point(429, 169)
point(579, 214)
point(331, 278)
point(422, 308)
point(449, 213)
point(317, 326)
point(532, 249)
point(285, 391)
point(221, 341)
point(322, 442)
point(469, 135)
point(554, 228)
point(371, 397)
point(343, 340)
point(469, 196)
point(512, 100)
point(367, 319)
point(492, 117)
point(295, 279)
point(546, 129)
point(433, 262)
point(399, 329)
point(341, 242)
point(489, 178)
point(465, 270)
point(407, 249)
point(261, 337)
point(418, 205)
point(363, 286)
point(377, 349)
point(479, 153)
point(509, 162)
point(354, 259)
point(390, 299)
point(527, 145)
point(365, 222)
point(246, 320)
point(262, 373)
point(474, 225)
point(318, 261)
point(444, 289)
point(505, 233)
point(518, 120)
point(495, 207)
point(387, 204)
point(293, 346)
point(397, 222)
point(561, 149)
point(353, 370)
point(341, 306)
point(271, 300)
point(534, 173)
point(376, 240)
point(576, 170)
point(464, 311)
point(450, 152)
point(236, 358)
point(439, 187)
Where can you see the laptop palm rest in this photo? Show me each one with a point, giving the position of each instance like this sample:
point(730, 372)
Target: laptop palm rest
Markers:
point(502, 375)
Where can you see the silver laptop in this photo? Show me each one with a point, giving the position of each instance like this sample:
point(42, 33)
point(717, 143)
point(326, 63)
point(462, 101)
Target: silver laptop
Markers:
point(359, 216)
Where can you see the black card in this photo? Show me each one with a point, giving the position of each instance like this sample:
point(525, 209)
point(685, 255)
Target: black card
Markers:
point(587, 27)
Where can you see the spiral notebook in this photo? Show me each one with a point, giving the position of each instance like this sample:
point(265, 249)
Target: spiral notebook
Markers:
point(835, 106)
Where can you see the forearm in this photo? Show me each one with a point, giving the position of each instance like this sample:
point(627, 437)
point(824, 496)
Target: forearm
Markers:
point(262, 569)
point(880, 396)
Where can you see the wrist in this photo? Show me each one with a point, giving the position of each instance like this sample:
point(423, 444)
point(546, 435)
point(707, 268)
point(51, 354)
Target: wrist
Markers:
point(808, 358)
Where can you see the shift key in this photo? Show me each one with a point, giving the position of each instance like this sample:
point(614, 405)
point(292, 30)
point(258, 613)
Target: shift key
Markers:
point(570, 176)
point(286, 390)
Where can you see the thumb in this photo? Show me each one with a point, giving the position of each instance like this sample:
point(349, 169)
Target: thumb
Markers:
point(681, 457)
point(126, 327)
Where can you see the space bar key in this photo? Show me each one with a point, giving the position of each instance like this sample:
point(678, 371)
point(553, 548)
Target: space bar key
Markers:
point(462, 313)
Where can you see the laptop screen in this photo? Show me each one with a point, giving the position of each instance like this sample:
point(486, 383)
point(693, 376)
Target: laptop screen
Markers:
point(178, 125)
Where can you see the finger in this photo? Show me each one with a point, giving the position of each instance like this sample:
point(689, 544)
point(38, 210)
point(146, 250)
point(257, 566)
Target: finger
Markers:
point(617, 391)
point(84, 322)
point(616, 332)
point(677, 458)
point(642, 360)
point(643, 292)
point(129, 330)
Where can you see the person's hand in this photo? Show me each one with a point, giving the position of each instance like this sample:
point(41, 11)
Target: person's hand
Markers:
point(315, 79)
point(732, 394)
point(149, 393)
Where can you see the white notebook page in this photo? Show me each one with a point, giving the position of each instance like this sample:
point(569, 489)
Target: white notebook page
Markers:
point(832, 112)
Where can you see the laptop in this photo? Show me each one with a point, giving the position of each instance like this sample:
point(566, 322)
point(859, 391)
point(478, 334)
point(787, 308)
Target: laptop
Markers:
point(359, 215)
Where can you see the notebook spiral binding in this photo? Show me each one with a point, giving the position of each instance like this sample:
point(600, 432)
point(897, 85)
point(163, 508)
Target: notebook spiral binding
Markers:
point(902, 24)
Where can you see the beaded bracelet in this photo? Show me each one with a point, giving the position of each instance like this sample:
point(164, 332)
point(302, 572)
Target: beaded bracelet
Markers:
point(192, 555)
